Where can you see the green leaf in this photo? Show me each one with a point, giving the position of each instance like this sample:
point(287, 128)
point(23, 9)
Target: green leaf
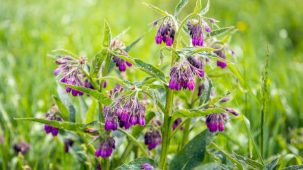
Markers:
point(63, 110)
point(236, 73)
point(294, 167)
point(130, 46)
point(134, 141)
point(198, 7)
point(67, 102)
point(156, 9)
point(193, 152)
point(151, 70)
point(136, 164)
point(58, 124)
point(221, 31)
point(97, 62)
point(90, 114)
point(252, 163)
point(272, 164)
point(107, 35)
point(197, 113)
point(94, 93)
point(100, 57)
point(205, 10)
point(206, 92)
point(180, 6)
point(209, 166)
point(238, 164)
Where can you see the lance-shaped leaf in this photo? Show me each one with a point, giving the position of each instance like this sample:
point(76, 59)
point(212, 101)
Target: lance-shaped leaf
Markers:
point(136, 164)
point(193, 152)
point(156, 9)
point(220, 31)
point(294, 167)
point(205, 9)
point(67, 102)
point(131, 45)
point(94, 93)
point(63, 110)
point(180, 6)
point(100, 57)
point(58, 124)
point(250, 162)
point(198, 6)
point(91, 112)
point(206, 92)
point(197, 113)
point(151, 70)
point(236, 73)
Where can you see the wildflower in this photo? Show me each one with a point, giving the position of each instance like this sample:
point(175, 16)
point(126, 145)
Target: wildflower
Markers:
point(22, 147)
point(196, 29)
point(221, 62)
point(152, 139)
point(119, 47)
point(147, 166)
point(67, 144)
point(126, 112)
point(106, 148)
point(176, 123)
point(216, 122)
point(70, 72)
point(166, 32)
point(182, 74)
point(50, 129)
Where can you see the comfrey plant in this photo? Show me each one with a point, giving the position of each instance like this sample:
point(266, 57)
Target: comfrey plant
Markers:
point(162, 110)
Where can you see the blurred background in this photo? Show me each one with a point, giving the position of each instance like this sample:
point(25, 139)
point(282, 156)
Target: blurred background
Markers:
point(31, 29)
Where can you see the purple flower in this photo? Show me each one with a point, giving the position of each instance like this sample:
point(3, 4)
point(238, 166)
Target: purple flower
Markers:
point(166, 32)
point(221, 62)
point(176, 123)
point(182, 74)
point(67, 144)
point(216, 122)
point(147, 166)
point(106, 148)
point(50, 129)
point(196, 28)
point(152, 139)
point(70, 72)
point(22, 147)
point(119, 47)
point(125, 112)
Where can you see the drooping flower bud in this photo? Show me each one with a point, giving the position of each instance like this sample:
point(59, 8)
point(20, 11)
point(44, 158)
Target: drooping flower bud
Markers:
point(182, 74)
point(196, 29)
point(166, 32)
point(152, 139)
point(67, 144)
point(216, 122)
point(176, 123)
point(106, 148)
point(119, 48)
point(147, 166)
point(52, 116)
point(70, 71)
point(21, 147)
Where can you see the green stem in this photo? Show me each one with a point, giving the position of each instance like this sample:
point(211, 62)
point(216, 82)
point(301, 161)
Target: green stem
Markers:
point(166, 130)
point(185, 133)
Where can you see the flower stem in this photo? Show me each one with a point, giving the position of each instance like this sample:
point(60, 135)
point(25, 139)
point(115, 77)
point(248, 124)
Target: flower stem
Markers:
point(166, 130)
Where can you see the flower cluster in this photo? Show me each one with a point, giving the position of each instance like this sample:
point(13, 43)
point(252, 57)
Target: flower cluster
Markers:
point(221, 62)
point(152, 139)
point(106, 148)
point(70, 72)
point(216, 122)
point(119, 47)
point(196, 29)
point(166, 32)
point(21, 147)
point(125, 112)
point(182, 74)
point(50, 129)
point(147, 166)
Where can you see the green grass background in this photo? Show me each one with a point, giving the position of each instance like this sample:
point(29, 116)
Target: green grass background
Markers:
point(30, 29)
